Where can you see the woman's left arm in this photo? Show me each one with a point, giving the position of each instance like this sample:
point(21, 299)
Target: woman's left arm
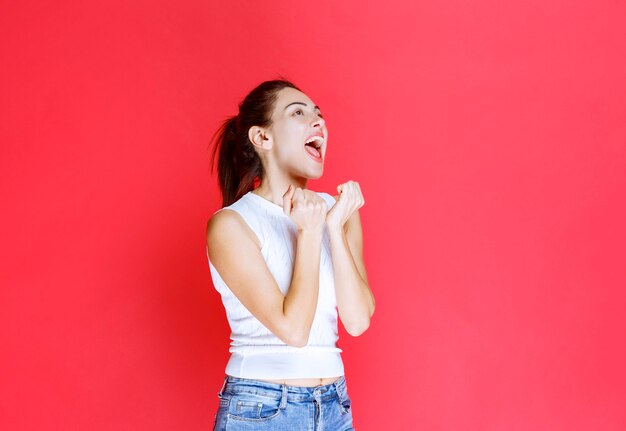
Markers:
point(355, 301)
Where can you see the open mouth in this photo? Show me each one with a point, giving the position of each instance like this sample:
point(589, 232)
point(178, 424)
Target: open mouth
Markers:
point(313, 146)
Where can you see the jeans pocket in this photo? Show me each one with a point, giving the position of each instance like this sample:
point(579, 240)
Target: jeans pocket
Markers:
point(253, 407)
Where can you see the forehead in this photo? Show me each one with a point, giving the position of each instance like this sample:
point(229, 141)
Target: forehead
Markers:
point(289, 95)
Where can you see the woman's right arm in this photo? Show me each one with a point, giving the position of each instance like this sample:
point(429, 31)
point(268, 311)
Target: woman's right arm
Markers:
point(235, 252)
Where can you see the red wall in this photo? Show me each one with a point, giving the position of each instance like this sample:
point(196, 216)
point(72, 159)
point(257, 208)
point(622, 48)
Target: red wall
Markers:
point(488, 139)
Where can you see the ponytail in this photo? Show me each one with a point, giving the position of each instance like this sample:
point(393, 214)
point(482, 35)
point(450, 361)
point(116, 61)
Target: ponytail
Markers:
point(238, 164)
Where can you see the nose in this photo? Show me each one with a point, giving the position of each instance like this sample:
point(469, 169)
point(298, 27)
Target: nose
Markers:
point(319, 121)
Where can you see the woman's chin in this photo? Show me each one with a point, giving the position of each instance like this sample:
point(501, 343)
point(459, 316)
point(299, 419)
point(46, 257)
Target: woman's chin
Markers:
point(311, 170)
point(317, 174)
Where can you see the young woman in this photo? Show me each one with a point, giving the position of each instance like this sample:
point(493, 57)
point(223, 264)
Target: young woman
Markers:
point(285, 260)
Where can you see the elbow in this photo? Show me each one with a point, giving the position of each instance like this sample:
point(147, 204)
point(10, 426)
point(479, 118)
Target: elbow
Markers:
point(296, 340)
point(358, 328)
point(292, 334)
point(301, 342)
point(298, 343)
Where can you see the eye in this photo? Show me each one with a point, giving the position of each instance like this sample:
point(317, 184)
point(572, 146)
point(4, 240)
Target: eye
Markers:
point(299, 110)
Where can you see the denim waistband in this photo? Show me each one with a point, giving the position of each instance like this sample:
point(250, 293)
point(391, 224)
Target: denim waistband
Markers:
point(236, 385)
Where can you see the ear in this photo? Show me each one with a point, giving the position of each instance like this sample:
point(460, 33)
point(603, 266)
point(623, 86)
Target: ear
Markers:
point(259, 138)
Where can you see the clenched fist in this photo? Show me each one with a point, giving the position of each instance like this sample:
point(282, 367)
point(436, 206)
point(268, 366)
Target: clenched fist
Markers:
point(305, 207)
point(349, 200)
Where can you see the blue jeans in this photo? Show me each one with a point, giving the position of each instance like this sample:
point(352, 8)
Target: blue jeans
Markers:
point(247, 405)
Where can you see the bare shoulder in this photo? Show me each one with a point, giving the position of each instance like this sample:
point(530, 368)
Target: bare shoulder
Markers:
point(227, 225)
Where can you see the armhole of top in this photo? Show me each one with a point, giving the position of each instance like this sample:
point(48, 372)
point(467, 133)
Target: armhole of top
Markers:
point(245, 222)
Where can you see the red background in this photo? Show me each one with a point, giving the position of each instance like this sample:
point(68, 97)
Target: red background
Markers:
point(488, 139)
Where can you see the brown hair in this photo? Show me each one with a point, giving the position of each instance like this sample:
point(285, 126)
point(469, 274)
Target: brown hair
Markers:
point(238, 164)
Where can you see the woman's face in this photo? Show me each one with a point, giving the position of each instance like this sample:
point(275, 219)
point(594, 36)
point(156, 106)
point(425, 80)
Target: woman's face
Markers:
point(294, 121)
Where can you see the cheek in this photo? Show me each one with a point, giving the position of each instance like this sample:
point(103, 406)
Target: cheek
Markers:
point(290, 141)
point(289, 149)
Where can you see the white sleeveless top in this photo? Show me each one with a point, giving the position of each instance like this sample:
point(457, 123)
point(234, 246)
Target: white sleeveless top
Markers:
point(256, 353)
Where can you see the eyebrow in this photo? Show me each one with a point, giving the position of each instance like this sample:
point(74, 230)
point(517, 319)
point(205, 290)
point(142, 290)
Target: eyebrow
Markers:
point(301, 103)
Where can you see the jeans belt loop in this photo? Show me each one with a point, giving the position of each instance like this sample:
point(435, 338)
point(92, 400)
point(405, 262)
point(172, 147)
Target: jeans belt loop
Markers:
point(221, 392)
point(283, 399)
point(339, 390)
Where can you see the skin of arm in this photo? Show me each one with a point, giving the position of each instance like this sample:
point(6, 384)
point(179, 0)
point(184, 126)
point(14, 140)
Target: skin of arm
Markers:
point(355, 301)
point(289, 316)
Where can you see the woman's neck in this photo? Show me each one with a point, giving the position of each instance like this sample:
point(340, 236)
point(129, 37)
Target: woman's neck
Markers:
point(274, 192)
